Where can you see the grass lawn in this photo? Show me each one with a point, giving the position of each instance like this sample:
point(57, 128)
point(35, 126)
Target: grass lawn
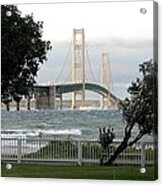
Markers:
point(76, 172)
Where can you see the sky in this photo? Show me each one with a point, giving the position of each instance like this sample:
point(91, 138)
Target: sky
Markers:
point(115, 27)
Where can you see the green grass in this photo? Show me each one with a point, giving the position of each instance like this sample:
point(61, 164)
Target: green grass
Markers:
point(76, 172)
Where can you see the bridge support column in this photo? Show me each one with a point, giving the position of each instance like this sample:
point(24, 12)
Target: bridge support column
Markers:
point(45, 98)
point(105, 102)
point(78, 64)
point(105, 76)
point(42, 102)
point(73, 100)
point(109, 104)
point(102, 102)
point(52, 97)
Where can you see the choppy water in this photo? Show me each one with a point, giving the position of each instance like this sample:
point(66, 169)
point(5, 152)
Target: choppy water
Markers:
point(80, 124)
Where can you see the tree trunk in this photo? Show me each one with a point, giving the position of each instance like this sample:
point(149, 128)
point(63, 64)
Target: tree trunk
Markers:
point(18, 105)
point(28, 103)
point(119, 149)
point(8, 106)
point(123, 145)
point(17, 99)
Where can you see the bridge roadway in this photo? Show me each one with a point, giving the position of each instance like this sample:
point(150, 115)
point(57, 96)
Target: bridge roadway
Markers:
point(53, 91)
point(67, 88)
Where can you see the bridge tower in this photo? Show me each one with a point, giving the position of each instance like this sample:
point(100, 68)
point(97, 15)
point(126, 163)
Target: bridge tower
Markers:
point(78, 64)
point(105, 76)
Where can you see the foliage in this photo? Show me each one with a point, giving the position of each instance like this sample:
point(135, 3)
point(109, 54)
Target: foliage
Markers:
point(140, 110)
point(106, 137)
point(23, 50)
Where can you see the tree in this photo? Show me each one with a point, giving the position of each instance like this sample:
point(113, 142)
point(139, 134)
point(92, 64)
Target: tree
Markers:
point(23, 50)
point(141, 109)
point(106, 139)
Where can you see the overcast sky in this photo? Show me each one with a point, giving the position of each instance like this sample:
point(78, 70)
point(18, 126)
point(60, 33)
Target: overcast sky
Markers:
point(118, 28)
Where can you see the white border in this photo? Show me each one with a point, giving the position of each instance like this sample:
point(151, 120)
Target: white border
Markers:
point(59, 182)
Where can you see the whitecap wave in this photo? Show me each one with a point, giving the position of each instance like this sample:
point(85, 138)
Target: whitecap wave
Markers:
point(25, 133)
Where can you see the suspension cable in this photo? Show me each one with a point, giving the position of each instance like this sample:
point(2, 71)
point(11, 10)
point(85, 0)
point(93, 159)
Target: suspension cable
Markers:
point(88, 59)
point(64, 64)
point(111, 80)
point(68, 77)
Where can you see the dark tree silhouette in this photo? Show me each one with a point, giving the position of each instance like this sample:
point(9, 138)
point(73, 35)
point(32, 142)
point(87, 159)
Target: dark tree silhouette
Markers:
point(106, 138)
point(141, 109)
point(23, 50)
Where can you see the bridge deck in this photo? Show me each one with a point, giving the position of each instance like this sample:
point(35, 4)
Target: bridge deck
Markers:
point(67, 88)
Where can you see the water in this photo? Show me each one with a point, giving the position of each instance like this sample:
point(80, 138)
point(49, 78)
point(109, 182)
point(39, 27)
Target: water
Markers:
point(83, 124)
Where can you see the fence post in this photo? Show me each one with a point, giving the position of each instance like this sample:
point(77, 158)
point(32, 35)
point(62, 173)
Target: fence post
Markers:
point(79, 152)
point(142, 154)
point(19, 150)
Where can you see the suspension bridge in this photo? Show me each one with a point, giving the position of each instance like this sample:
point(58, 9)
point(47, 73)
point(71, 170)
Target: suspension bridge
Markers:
point(76, 83)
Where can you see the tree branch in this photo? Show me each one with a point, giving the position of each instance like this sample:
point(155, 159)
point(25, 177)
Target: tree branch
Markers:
point(137, 138)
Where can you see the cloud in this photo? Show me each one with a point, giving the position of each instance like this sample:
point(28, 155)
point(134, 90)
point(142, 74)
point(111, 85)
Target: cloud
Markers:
point(123, 43)
point(132, 44)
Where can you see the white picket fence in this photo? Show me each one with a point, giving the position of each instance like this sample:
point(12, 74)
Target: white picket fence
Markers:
point(46, 150)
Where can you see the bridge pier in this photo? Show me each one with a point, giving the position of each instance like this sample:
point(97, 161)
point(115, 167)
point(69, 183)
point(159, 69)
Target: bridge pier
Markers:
point(108, 102)
point(52, 97)
point(45, 97)
point(73, 100)
point(102, 102)
point(105, 102)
